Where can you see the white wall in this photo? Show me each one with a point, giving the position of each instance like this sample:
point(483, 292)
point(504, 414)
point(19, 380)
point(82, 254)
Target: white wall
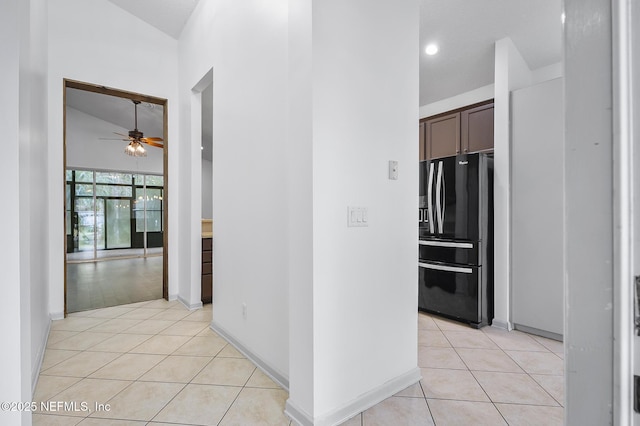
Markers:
point(38, 198)
point(23, 311)
point(254, 172)
point(207, 189)
point(537, 133)
point(246, 45)
point(99, 43)
point(85, 150)
point(14, 357)
point(588, 215)
point(511, 72)
point(300, 210)
point(364, 279)
point(207, 157)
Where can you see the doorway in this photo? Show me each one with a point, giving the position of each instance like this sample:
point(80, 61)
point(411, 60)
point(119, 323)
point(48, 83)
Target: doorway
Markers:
point(115, 161)
point(206, 98)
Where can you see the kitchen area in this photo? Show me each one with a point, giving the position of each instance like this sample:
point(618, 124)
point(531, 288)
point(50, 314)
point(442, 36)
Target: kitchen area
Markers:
point(456, 213)
point(490, 250)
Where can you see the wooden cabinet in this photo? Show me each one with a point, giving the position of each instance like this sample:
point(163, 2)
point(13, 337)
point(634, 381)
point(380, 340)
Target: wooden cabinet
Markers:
point(207, 271)
point(461, 131)
point(443, 136)
point(423, 142)
point(477, 129)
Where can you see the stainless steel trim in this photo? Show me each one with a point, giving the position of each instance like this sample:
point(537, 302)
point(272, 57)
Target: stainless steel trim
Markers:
point(445, 268)
point(445, 244)
point(429, 194)
point(439, 207)
point(443, 196)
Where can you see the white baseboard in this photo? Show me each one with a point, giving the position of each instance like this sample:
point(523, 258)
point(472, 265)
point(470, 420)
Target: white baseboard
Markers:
point(539, 332)
point(35, 373)
point(504, 325)
point(190, 306)
point(299, 416)
point(173, 297)
point(275, 375)
point(56, 316)
point(358, 405)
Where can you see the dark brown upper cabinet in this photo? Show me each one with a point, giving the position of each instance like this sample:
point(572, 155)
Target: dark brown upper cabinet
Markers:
point(477, 129)
point(461, 131)
point(443, 136)
point(422, 145)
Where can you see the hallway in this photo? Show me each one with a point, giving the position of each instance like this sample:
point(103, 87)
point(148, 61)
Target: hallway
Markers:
point(158, 363)
point(151, 360)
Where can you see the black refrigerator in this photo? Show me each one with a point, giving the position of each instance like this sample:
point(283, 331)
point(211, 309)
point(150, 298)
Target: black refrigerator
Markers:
point(455, 242)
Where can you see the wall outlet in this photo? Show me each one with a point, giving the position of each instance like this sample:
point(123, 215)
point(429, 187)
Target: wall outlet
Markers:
point(244, 310)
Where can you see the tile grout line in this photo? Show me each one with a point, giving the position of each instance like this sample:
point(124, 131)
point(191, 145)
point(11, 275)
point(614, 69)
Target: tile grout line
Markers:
point(137, 380)
point(236, 398)
point(536, 382)
point(120, 355)
point(499, 347)
point(424, 395)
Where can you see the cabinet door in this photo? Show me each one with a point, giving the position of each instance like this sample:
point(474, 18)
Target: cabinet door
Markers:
point(443, 136)
point(207, 277)
point(423, 142)
point(477, 129)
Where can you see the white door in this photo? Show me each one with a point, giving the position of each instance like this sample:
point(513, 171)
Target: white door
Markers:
point(626, 125)
point(631, 33)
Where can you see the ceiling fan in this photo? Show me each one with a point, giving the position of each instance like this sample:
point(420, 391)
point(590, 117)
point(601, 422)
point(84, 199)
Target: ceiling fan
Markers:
point(136, 138)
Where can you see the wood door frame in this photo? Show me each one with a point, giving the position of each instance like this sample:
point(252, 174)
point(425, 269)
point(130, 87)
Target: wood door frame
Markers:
point(95, 88)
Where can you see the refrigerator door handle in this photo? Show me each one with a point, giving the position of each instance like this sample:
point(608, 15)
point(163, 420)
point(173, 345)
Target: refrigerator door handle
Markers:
point(439, 194)
point(445, 268)
point(429, 217)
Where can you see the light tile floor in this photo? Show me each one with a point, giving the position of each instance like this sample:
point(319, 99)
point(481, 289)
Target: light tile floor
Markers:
point(156, 363)
point(477, 377)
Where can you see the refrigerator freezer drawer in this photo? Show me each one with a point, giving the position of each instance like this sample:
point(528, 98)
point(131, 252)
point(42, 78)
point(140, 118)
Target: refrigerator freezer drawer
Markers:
point(462, 252)
point(454, 291)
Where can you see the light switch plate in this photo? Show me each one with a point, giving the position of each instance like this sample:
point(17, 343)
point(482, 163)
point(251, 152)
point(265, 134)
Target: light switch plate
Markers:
point(393, 170)
point(357, 216)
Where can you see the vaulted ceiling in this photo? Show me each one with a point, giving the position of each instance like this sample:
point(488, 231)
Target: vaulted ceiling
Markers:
point(465, 31)
point(169, 16)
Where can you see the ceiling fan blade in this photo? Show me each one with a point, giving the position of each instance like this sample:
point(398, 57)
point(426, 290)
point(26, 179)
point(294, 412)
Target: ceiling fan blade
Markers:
point(120, 134)
point(152, 143)
point(112, 139)
point(155, 139)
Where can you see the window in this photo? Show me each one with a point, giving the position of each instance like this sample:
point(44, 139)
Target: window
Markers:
point(106, 210)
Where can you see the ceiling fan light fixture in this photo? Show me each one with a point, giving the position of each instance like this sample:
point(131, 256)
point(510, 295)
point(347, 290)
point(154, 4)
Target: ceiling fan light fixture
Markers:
point(135, 149)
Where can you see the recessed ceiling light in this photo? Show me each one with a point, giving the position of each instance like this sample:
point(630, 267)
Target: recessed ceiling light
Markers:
point(431, 49)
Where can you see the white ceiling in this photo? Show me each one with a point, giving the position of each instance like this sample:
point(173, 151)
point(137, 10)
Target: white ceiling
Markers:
point(118, 111)
point(169, 16)
point(465, 30)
